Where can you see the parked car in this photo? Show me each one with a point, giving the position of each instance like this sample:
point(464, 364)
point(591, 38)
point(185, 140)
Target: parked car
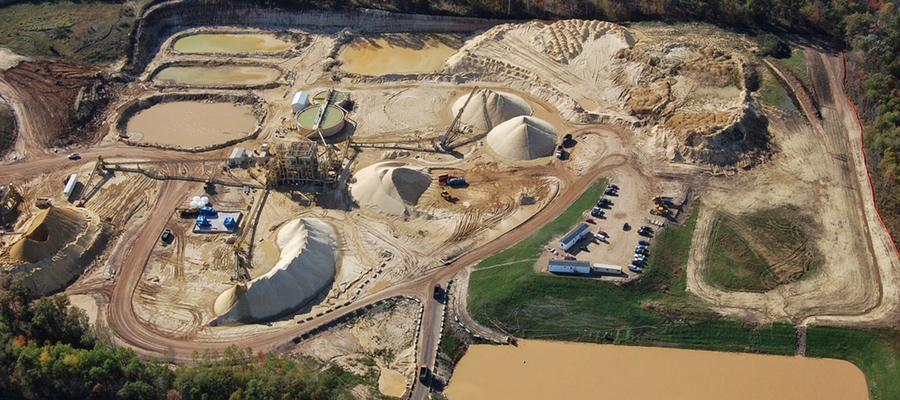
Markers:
point(600, 237)
point(640, 262)
point(603, 233)
point(614, 187)
point(166, 235)
point(569, 258)
point(567, 140)
point(610, 191)
point(647, 228)
point(560, 153)
point(74, 156)
point(604, 203)
point(643, 243)
point(635, 268)
point(597, 212)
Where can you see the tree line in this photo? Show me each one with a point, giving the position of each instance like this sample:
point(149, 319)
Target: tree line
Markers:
point(48, 350)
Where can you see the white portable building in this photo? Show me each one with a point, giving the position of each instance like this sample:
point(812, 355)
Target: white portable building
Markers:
point(237, 156)
point(300, 101)
point(70, 185)
point(608, 269)
point(580, 232)
point(569, 267)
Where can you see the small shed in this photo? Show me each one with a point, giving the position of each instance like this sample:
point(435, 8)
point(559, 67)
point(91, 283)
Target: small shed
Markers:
point(580, 232)
point(300, 101)
point(607, 269)
point(569, 267)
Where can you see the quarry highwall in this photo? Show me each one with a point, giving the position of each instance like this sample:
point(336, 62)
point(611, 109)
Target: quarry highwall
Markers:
point(164, 19)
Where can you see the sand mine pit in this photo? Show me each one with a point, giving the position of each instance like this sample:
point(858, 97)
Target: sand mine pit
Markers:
point(390, 187)
point(523, 138)
point(58, 244)
point(220, 75)
point(305, 269)
point(488, 108)
point(230, 44)
point(188, 121)
point(398, 54)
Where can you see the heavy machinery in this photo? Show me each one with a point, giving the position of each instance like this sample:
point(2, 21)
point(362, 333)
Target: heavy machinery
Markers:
point(446, 196)
point(453, 130)
point(661, 205)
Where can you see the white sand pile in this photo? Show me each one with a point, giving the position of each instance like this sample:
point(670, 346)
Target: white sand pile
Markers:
point(58, 245)
point(523, 138)
point(305, 269)
point(488, 108)
point(390, 187)
point(566, 39)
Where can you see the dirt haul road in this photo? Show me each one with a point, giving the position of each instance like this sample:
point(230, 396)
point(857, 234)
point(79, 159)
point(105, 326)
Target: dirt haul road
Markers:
point(858, 284)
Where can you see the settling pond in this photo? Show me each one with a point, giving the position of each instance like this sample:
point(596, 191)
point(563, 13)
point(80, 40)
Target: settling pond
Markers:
point(224, 75)
point(561, 370)
point(398, 54)
point(230, 44)
point(187, 124)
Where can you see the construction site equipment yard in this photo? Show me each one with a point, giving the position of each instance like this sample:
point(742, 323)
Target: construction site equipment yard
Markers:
point(336, 223)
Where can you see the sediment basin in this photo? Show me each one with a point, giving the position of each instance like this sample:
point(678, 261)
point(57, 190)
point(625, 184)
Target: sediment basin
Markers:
point(230, 44)
point(189, 124)
point(397, 54)
point(223, 75)
point(564, 370)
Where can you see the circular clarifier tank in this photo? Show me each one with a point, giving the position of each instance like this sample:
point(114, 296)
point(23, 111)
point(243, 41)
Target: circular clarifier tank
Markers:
point(330, 119)
point(336, 97)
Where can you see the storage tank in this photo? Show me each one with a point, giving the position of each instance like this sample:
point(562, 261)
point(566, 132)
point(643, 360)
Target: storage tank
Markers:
point(337, 97)
point(330, 119)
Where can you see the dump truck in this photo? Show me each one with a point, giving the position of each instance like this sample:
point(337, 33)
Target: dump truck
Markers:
point(437, 291)
point(456, 181)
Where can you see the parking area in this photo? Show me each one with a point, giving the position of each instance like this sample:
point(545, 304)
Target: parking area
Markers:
point(629, 204)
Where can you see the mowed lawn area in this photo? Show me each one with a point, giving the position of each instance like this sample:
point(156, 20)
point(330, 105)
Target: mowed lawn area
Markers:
point(506, 293)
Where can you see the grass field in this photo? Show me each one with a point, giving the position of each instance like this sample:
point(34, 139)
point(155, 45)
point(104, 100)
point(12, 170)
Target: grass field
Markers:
point(87, 32)
point(796, 63)
point(758, 251)
point(7, 129)
point(654, 311)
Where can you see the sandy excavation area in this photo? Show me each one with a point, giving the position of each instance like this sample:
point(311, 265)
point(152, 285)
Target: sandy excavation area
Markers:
point(656, 109)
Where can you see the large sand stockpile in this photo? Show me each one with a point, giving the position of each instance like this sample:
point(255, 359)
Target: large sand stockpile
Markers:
point(523, 138)
point(306, 267)
point(488, 108)
point(390, 187)
point(58, 244)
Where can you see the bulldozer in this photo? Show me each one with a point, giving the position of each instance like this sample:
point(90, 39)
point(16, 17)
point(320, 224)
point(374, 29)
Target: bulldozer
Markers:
point(446, 196)
point(661, 209)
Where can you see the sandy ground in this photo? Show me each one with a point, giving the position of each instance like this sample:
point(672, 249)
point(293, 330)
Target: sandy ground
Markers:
point(651, 129)
point(539, 370)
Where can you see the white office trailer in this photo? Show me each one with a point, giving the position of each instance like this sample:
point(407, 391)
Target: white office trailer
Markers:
point(569, 267)
point(580, 232)
point(607, 269)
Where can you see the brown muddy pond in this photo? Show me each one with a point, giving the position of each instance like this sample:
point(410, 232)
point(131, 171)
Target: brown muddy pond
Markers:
point(564, 370)
point(188, 124)
point(398, 54)
point(230, 44)
point(224, 75)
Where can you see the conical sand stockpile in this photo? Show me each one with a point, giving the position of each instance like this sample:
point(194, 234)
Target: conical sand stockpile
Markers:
point(50, 231)
point(305, 269)
point(488, 108)
point(523, 138)
point(390, 187)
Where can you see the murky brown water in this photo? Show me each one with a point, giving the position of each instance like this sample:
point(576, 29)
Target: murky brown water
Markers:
point(230, 44)
point(381, 56)
point(230, 75)
point(561, 370)
point(189, 123)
